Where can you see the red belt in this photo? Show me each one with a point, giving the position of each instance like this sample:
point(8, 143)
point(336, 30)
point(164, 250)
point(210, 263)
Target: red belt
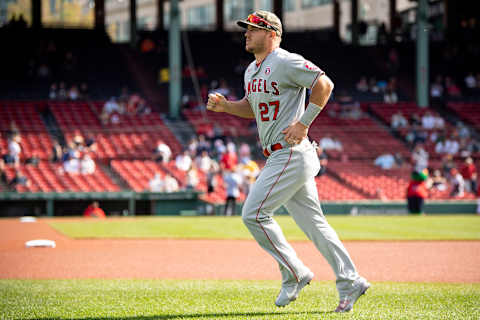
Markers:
point(274, 147)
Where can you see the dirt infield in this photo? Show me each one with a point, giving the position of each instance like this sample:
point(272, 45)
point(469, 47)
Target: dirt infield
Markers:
point(416, 261)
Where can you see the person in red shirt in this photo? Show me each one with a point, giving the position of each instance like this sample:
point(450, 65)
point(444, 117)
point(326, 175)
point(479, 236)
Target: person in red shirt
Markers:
point(94, 211)
point(417, 192)
point(469, 174)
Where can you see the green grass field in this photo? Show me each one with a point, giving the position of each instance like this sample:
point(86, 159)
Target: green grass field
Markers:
point(349, 228)
point(165, 299)
point(215, 299)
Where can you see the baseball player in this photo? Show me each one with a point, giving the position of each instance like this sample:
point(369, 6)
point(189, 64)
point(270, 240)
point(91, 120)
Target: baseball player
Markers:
point(275, 89)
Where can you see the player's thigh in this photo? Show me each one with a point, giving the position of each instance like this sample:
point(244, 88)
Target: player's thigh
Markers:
point(304, 206)
point(273, 188)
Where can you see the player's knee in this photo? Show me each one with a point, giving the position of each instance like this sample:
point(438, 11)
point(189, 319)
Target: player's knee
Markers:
point(248, 214)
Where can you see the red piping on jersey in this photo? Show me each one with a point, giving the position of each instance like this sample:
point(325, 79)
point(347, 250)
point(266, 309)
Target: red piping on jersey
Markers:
point(263, 229)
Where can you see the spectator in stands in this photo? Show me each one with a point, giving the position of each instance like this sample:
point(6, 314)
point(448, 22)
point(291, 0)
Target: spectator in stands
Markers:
point(14, 150)
point(398, 120)
point(183, 161)
point(219, 148)
point(248, 171)
point(453, 91)
point(457, 182)
point(323, 158)
point(390, 96)
point(436, 89)
point(19, 180)
point(132, 103)
point(211, 177)
point(232, 183)
point(428, 121)
point(202, 145)
point(419, 158)
point(330, 143)
point(78, 141)
point(73, 164)
point(203, 161)
point(224, 89)
point(362, 84)
point(94, 211)
point(373, 86)
point(451, 145)
point(87, 165)
point(470, 83)
point(62, 91)
point(438, 181)
point(447, 165)
point(34, 159)
point(162, 152)
point(192, 178)
point(469, 174)
point(90, 143)
point(170, 184)
point(439, 122)
point(463, 130)
point(415, 119)
point(143, 108)
point(440, 146)
point(52, 94)
point(229, 159)
point(156, 184)
point(417, 191)
point(109, 107)
point(385, 161)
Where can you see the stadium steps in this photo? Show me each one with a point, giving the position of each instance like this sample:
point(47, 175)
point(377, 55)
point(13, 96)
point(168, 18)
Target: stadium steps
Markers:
point(52, 126)
point(145, 79)
point(183, 129)
point(116, 178)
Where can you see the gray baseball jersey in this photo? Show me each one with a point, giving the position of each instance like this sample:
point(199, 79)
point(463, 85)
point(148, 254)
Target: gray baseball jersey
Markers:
point(276, 91)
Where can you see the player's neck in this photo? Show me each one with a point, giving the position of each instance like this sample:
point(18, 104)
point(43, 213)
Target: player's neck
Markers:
point(259, 57)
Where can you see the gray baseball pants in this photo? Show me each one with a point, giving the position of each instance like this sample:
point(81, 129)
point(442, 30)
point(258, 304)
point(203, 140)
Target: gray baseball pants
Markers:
point(288, 179)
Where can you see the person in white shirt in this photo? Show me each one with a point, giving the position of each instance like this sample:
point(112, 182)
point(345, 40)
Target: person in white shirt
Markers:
point(203, 161)
point(457, 182)
point(329, 143)
point(183, 161)
point(385, 161)
point(192, 178)
point(398, 120)
point(163, 152)
point(157, 184)
point(170, 184)
point(14, 149)
point(428, 121)
point(72, 165)
point(87, 165)
point(451, 146)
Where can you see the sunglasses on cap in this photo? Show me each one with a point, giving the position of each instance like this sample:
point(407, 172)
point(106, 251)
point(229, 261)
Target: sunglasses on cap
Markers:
point(260, 21)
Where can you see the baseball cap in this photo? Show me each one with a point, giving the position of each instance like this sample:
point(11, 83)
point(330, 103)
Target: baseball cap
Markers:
point(263, 20)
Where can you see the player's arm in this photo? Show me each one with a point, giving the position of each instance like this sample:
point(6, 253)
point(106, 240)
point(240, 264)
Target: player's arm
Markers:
point(319, 96)
point(241, 108)
point(321, 91)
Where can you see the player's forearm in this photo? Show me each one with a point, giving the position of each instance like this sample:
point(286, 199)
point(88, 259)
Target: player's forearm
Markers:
point(240, 108)
point(321, 91)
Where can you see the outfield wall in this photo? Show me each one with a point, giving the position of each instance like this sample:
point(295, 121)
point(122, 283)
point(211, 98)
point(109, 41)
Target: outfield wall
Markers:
point(188, 203)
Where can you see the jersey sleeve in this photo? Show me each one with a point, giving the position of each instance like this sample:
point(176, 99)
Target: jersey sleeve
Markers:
point(301, 72)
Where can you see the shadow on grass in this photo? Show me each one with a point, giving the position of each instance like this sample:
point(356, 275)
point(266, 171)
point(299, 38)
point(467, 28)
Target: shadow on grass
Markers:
point(194, 316)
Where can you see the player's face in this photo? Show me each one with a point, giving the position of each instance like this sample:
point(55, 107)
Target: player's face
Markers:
point(255, 39)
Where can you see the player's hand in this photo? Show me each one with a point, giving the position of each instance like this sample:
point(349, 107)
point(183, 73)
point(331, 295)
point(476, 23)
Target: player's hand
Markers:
point(216, 102)
point(295, 133)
